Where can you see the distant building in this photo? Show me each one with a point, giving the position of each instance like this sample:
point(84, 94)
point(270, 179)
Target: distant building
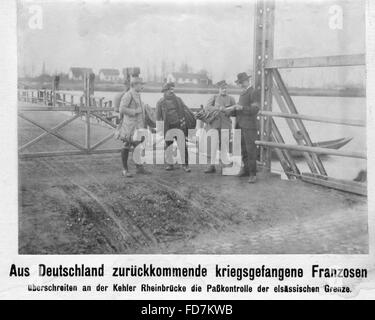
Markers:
point(78, 73)
point(130, 72)
point(111, 75)
point(188, 78)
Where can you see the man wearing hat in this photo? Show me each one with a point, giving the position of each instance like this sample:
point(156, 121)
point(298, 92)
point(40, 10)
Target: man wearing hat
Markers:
point(172, 110)
point(132, 112)
point(246, 114)
point(218, 118)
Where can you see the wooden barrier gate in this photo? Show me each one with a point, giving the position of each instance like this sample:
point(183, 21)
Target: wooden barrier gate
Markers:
point(268, 80)
point(89, 107)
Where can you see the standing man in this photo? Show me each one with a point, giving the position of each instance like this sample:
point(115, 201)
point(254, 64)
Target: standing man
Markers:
point(133, 114)
point(172, 110)
point(218, 118)
point(246, 114)
point(117, 102)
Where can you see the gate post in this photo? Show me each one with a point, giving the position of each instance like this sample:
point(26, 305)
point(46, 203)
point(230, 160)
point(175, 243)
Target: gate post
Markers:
point(55, 87)
point(264, 12)
point(88, 91)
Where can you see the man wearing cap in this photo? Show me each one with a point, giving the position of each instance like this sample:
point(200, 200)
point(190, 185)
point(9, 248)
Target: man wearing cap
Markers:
point(246, 114)
point(218, 118)
point(132, 111)
point(171, 110)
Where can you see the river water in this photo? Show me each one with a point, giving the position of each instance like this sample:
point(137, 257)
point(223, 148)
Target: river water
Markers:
point(332, 107)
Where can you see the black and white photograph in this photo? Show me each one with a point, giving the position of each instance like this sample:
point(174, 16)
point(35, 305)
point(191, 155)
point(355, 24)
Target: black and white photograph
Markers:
point(192, 127)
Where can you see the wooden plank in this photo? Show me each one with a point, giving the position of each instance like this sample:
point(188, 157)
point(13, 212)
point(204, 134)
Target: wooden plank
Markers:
point(293, 128)
point(300, 125)
point(354, 123)
point(42, 109)
point(313, 62)
point(338, 184)
point(317, 150)
point(66, 153)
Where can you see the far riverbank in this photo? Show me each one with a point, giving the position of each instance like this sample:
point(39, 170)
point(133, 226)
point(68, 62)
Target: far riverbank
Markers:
point(117, 87)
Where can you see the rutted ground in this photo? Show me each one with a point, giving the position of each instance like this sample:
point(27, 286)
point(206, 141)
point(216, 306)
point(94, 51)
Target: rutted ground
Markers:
point(83, 205)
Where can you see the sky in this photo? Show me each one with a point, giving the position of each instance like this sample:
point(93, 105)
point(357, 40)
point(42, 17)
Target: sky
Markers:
point(212, 35)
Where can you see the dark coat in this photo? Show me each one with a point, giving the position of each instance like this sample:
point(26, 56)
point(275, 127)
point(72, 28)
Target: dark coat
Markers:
point(250, 100)
point(178, 110)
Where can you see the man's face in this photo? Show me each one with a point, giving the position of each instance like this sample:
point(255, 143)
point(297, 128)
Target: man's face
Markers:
point(138, 87)
point(169, 92)
point(244, 84)
point(223, 90)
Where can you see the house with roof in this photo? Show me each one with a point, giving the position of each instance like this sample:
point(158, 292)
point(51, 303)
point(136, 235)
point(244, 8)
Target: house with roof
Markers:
point(130, 72)
point(110, 75)
point(76, 73)
point(188, 78)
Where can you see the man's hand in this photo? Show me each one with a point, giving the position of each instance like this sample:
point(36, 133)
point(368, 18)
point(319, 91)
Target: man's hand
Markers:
point(238, 107)
point(138, 110)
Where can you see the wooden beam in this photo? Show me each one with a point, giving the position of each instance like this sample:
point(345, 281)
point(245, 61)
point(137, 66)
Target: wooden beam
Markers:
point(296, 134)
point(316, 150)
point(313, 62)
point(104, 120)
point(29, 109)
point(300, 124)
point(65, 153)
point(354, 123)
point(104, 140)
point(279, 138)
point(282, 158)
point(338, 184)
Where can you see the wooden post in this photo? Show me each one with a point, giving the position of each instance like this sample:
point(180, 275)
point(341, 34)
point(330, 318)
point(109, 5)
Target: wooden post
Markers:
point(55, 88)
point(263, 52)
point(88, 87)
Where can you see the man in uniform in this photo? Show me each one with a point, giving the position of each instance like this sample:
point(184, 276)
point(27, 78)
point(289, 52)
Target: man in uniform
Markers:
point(246, 115)
point(133, 115)
point(218, 118)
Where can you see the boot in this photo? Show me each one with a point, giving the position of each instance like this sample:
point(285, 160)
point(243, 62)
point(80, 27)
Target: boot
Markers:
point(210, 169)
point(252, 179)
point(126, 174)
point(243, 172)
point(186, 168)
point(169, 167)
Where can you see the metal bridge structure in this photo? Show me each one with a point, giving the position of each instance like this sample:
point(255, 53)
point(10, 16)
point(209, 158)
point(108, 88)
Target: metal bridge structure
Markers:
point(274, 92)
